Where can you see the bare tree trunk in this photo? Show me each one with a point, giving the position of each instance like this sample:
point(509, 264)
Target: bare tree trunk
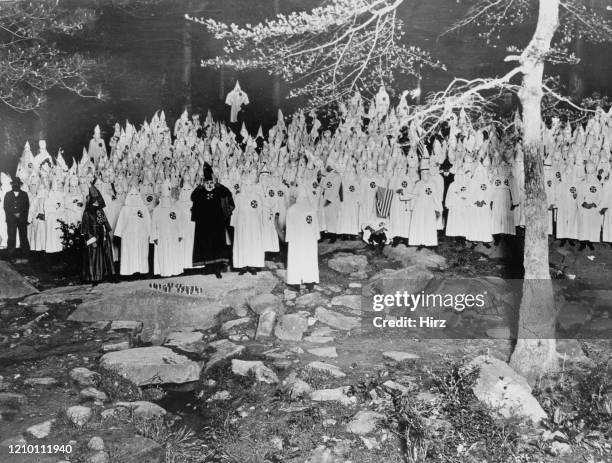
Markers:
point(535, 351)
point(187, 62)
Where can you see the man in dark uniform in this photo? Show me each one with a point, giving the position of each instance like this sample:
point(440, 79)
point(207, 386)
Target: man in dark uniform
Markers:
point(16, 207)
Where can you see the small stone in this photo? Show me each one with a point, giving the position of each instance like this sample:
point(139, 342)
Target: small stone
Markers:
point(78, 415)
point(109, 413)
point(329, 352)
point(333, 395)
point(289, 295)
point(262, 373)
point(98, 457)
point(295, 387)
point(227, 326)
point(96, 444)
point(220, 395)
point(328, 422)
point(117, 346)
point(224, 350)
point(560, 448)
point(354, 285)
point(138, 449)
point(328, 368)
point(370, 442)
point(40, 430)
point(91, 393)
point(392, 385)
point(364, 422)
point(143, 409)
point(265, 327)
point(84, 377)
point(348, 263)
point(291, 327)
point(276, 443)
point(399, 356)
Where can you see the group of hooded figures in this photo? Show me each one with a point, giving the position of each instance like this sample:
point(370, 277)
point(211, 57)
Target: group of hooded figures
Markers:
point(202, 195)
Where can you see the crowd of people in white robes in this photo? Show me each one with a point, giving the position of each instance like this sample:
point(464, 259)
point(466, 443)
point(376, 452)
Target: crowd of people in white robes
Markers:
point(373, 175)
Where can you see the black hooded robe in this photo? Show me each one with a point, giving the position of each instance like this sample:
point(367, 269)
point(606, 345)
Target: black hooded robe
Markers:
point(209, 212)
point(98, 259)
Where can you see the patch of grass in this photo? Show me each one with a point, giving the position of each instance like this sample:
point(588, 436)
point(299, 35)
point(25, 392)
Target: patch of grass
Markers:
point(181, 444)
point(118, 388)
point(578, 402)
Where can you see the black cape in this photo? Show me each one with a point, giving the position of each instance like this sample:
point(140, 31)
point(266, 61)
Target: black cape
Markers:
point(210, 214)
point(98, 260)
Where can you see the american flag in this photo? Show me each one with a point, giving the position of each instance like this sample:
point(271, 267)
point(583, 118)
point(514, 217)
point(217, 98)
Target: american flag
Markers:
point(384, 196)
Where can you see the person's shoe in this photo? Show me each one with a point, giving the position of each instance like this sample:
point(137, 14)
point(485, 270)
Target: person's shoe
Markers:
point(563, 243)
point(333, 239)
point(242, 271)
point(582, 246)
point(473, 246)
point(419, 247)
point(394, 243)
point(590, 245)
point(309, 286)
point(496, 240)
point(572, 243)
point(486, 245)
point(252, 271)
point(218, 274)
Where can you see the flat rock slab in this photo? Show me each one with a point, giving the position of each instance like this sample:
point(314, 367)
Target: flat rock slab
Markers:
point(12, 283)
point(333, 395)
point(184, 341)
point(351, 301)
point(60, 295)
point(172, 311)
point(329, 352)
point(151, 365)
point(264, 302)
point(336, 320)
point(311, 299)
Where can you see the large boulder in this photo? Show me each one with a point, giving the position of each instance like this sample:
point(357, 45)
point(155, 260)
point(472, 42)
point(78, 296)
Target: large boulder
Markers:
point(348, 263)
point(12, 283)
point(60, 295)
point(165, 312)
point(264, 302)
point(504, 390)
point(151, 365)
point(291, 327)
point(412, 279)
point(409, 255)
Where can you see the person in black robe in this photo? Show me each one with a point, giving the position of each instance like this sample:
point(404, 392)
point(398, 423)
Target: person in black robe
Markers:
point(95, 228)
point(16, 207)
point(210, 212)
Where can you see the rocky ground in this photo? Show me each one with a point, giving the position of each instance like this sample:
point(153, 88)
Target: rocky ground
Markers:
point(248, 370)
